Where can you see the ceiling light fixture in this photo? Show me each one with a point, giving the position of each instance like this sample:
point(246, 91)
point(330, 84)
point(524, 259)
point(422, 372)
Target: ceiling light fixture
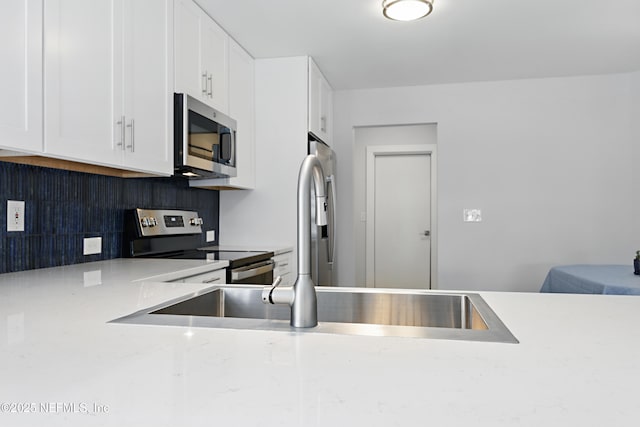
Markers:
point(406, 10)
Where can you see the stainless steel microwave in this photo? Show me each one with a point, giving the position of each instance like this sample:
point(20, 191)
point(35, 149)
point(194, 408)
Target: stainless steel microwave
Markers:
point(204, 140)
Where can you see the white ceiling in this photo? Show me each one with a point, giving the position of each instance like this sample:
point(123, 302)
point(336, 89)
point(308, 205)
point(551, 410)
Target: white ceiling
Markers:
point(461, 41)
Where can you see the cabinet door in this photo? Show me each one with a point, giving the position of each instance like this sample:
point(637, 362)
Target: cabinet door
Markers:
point(320, 104)
point(21, 75)
point(148, 96)
point(314, 99)
point(283, 268)
point(189, 76)
point(241, 108)
point(82, 54)
point(214, 54)
point(326, 111)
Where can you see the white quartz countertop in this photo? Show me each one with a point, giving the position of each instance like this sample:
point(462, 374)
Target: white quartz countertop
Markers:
point(577, 363)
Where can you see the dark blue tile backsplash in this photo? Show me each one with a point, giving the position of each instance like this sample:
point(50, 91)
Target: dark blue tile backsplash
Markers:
point(63, 207)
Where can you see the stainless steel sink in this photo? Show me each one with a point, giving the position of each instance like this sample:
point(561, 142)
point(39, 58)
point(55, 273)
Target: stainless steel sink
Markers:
point(352, 311)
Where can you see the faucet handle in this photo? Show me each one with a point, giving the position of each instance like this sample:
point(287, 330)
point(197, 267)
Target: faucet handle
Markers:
point(268, 291)
point(276, 282)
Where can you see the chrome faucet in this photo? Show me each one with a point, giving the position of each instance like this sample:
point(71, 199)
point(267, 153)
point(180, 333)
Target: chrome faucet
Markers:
point(302, 295)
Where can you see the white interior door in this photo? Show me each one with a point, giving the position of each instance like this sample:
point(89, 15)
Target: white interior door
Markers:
point(399, 195)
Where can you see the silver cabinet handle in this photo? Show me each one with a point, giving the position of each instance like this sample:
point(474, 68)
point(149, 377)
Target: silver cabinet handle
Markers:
point(427, 233)
point(215, 279)
point(121, 124)
point(133, 133)
point(323, 124)
point(204, 83)
point(210, 78)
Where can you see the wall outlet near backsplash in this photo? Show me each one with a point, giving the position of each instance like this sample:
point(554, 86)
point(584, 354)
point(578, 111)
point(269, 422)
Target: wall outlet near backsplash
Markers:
point(92, 245)
point(15, 215)
point(211, 235)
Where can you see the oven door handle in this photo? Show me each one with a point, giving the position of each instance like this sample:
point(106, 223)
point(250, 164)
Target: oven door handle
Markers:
point(251, 270)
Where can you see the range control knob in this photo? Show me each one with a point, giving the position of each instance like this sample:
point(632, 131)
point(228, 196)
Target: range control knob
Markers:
point(144, 221)
point(195, 221)
point(153, 222)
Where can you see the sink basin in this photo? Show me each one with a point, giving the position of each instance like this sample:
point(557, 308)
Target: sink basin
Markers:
point(425, 310)
point(352, 311)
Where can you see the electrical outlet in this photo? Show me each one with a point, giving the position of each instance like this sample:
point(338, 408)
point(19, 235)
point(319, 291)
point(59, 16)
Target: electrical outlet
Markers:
point(15, 215)
point(92, 245)
point(211, 235)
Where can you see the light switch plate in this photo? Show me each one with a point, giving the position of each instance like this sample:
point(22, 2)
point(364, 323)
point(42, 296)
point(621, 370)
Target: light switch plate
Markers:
point(211, 235)
point(92, 245)
point(15, 215)
point(472, 215)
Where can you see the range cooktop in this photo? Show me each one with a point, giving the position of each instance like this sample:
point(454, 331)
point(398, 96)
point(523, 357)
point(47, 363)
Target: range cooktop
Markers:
point(235, 258)
point(177, 234)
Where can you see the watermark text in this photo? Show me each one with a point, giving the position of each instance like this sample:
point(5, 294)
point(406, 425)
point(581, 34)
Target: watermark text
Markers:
point(53, 408)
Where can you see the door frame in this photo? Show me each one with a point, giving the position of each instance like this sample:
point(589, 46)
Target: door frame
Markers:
point(389, 150)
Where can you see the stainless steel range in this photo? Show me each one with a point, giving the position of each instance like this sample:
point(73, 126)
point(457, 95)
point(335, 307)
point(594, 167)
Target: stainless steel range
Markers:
point(177, 234)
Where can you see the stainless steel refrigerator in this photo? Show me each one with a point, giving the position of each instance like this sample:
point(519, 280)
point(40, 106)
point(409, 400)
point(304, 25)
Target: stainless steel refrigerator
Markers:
point(323, 239)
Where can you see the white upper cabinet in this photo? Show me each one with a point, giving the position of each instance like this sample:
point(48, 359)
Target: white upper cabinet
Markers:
point(108, 83)
point(21, 75)
point(80, 80)
point(201, 66)
point(320, 104)
point(188, 74)
point(242, 109)
point(148, 85)
point(215, 65)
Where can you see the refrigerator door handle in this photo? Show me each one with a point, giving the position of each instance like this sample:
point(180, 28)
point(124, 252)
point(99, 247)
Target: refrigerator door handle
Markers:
point(331, 247)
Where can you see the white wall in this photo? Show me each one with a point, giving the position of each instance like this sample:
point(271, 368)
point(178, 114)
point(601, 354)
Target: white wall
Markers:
point(549, 162)
point(266, 216)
